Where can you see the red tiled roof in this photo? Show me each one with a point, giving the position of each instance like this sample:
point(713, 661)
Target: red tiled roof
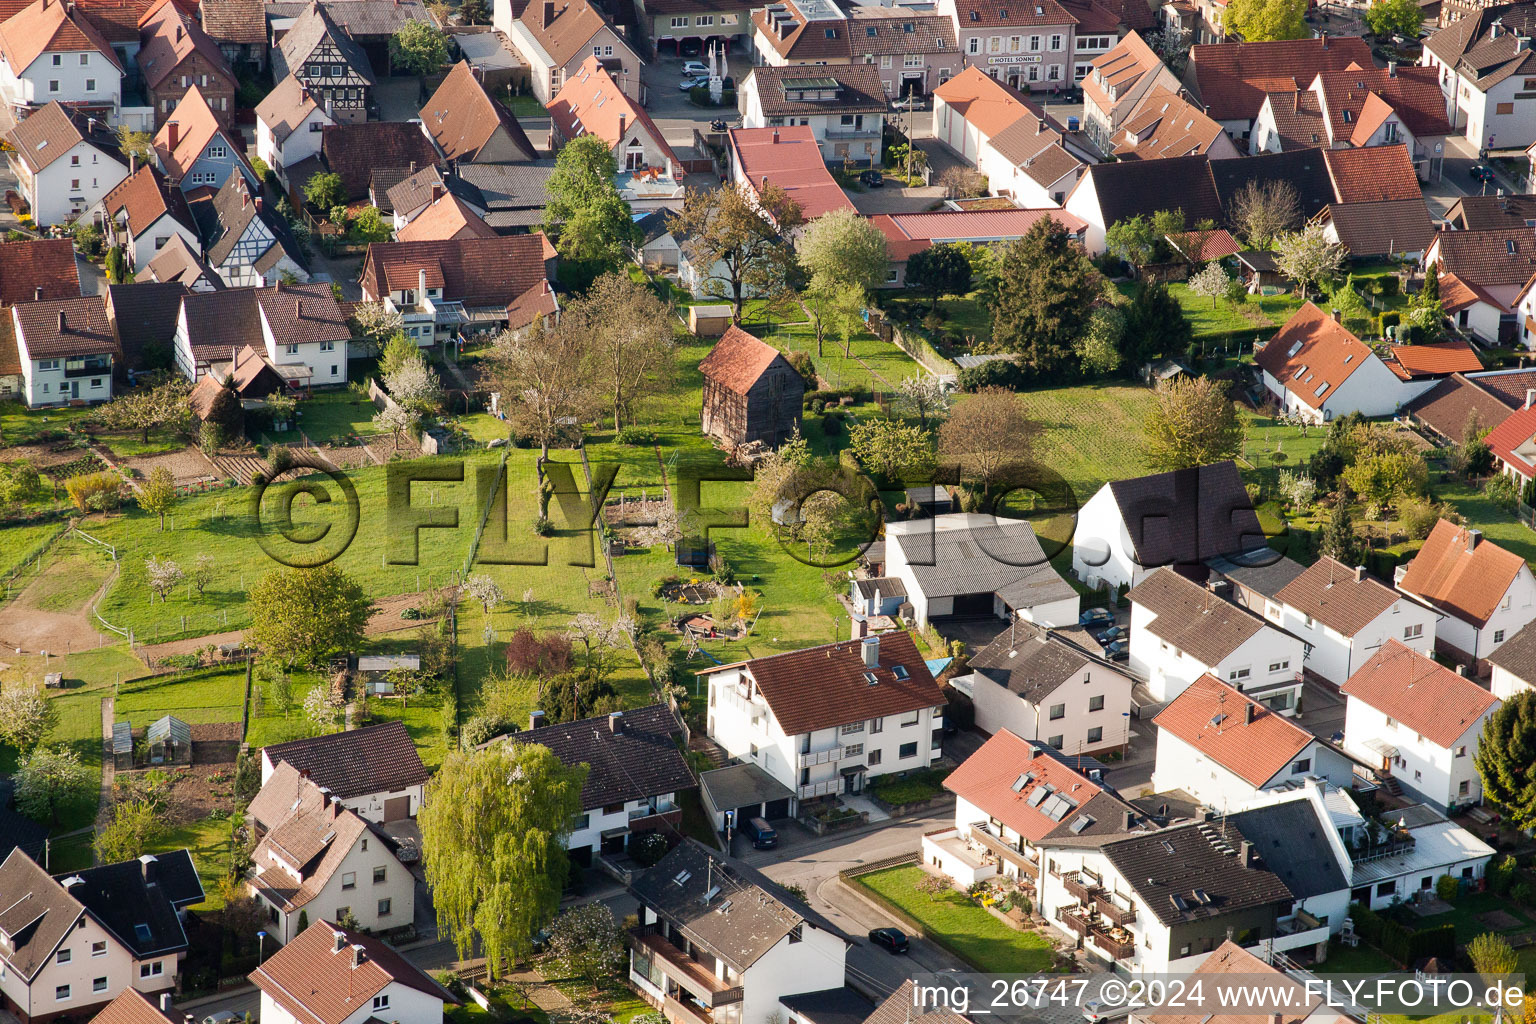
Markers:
point(985, 103)
point(462, 117)
point(1513, 433)
point(46, 264)
point(823, 687)
point(49, 26)
point(195, 127)
point(1460, 573)
point(535, 302)
point(1312, 355)
point(1232, 78)
point(1165, 125)
point(1420, 693)
point(475, 271)
point(1246, 738)
point(574, 24)
point(1456, 294)
point(788, 157)
point(592, 103)
point(738, 360)
point(170, 37)
point(1438, 359)
point(979, 225)
point(319, 984)
point(797, 37)
point(989, 779)
point(1337, 596)
point(1370, 95)
point(1204, 246)
point(447, 217)
point(1372, 174)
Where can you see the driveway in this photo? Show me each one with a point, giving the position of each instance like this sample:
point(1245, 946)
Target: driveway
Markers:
point(892, 199)
point(399, 98)
point(672, 110)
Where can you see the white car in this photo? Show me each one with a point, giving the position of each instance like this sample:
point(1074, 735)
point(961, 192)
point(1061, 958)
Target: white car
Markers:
point(695, 69)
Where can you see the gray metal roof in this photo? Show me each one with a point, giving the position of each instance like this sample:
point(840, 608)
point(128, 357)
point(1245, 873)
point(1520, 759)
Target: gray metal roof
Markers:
point(1264, 570)
point(968, 553)
point(388, 662)
point(122, 737)
point(1289, 837)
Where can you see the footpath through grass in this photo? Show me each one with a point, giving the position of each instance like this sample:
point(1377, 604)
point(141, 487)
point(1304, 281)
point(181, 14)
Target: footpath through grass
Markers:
point(960, 926)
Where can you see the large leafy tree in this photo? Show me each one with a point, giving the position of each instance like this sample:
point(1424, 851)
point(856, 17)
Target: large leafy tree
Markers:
point(584, 213)
point(493, 834)
point(630, 332)
point(1385, 17)
point(733, 235)
point(419, 47)
point(1506, 759)
point(1192, 422)
point(1260, 21)
point(842, 249)
point(544, 377)
point(158, 495)
point(891, 447)
point(50, 779)
point(1044, 299)
point(149, 406)
point(26, 716)
point(1263, 210)
point(326, 190)
point(984, 435)
point(302, 615)
point(938, 270)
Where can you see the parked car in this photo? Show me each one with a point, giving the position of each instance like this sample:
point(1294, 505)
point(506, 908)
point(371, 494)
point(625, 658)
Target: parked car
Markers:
point(690, 48)
point(761, 833)
point(891, 939)
point(222, 1017)
point(1096, 617)
point(1118, 650)
point(694, 69)
point(872, 179)
point(1112, 634)
point(1481, 172)
point(689, 84)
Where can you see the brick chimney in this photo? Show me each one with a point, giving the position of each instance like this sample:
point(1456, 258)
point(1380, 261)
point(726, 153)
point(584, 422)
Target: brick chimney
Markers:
point(298, 309)
point(775, 136)
point(63, 326)
point(616, 722)
point(173, 133)
point(536, 719)
point(37, 296)
point(623, 123)
point(1248, 712)
point(437, 192)
point(1359, 574)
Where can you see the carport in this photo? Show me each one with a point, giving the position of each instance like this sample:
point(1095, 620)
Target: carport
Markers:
point(747, 790)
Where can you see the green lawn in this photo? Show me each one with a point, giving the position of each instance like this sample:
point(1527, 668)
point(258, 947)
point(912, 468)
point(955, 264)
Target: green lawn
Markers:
point(72, 573)
point(1258, 314)
point(332, 414)
point(1465, 911)
point(132, 445)
point(20, 425)
point(1360, 960)
point(873, 364)
point(1090, 434)
point(22, 542)
point(960, 926)
point(965, 318)
point(208, 841)
point(199, 696)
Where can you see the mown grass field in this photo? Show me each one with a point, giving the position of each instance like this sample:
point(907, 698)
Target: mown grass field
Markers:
point(199, 696)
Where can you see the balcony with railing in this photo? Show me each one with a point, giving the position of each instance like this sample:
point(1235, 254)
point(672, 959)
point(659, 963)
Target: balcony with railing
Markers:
point(88, 366)
point(700, 982)
point(1376, 845)
point(829, 755)
point(842, 133)
point(1116, 914)
point(1075, 921)
point(983, 833)
point(827, 787)
point(1079, 886)
point(1117, 942)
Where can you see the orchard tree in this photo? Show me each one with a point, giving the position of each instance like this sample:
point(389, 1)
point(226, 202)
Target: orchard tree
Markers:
point(395, 420)
point(1099, 347)
point(584, 212)
point(493, 832)
point(416, 386)
point(1307, 257)
point(378, 325)
point(740, 233)
point(1192, 423)
point(544, 377)
point(1506, 759)
point(51, 779)
point(893, 449)
point(1264, 210)
point(1044, 299)
point(927, 396)
point(1211, 283)
point(148, 406)
point(399, 349)
point(842, 249)
point(630, 342)
point(485, 590)
point(1264, 21)
point(1394, 17)
point(20, 482)
point(158, 495)
point(587, 943)
point(163, 575)
point(26, 716)
point(302, 615)
point(420, 48)
point(133, 830)
point(324, 707)
point(984, 434)
point(939, 270)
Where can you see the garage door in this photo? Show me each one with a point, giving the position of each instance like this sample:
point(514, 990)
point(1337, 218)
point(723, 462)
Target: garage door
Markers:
point(397, 808)
point(778, 808)
point(973, 605)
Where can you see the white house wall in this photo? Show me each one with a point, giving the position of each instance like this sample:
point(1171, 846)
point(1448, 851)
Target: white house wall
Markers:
point(1435, 773)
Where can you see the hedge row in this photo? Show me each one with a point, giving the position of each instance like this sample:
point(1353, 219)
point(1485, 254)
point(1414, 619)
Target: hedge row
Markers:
point(1403, 945)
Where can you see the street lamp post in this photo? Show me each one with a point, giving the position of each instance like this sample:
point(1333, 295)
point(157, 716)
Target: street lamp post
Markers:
point(261, 945)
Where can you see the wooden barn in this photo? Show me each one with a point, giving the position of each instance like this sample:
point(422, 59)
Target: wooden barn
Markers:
point(751, 393)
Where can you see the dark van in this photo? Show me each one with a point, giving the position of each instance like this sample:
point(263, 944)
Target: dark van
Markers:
point(761, 833)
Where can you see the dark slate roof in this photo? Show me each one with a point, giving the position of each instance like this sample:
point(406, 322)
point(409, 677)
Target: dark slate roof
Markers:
point(143, 313)
point(1128, 188)
point(1032, 661)
point(1517, 655)
point(137, 902)
point(375, 759)
point(1289, 837)
point(1446, 407)
point(829, 1006)
point(1204, 856)
point(761, 913)
point(39, 914)
point(642, 760)
point(1304, 169)
point(1188, 515)
point(1263, 570)
point(881, 587)
point(738, 785)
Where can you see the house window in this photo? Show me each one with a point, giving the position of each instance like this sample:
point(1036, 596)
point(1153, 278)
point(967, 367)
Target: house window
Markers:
point(53, 86)
point(885, 62)
point(99, 948)
point(873, 758)
point(1056, 42)
point(1053, 73)
point(60, 993)
point(907, 750)
point(1302, 766)
point(153, 970)
point(74, 183)
point(217, 152)
point(974, 46)
point(679, 22)
point(852, 728)
point(1409, 632)
point(64, 956)
point(1096, 703)
point(381, 1001)
point(1279, 666)
point(98, 984)
point(1056, 742)
point(909, 722)
point(1238, 673)
point(348, 880)
point(853, 750)
point(379, 874)
point(1058, 711)
point(1498, 636)
point(58, 60)
point(1461, 751)
point(1034, 42)
point(342, 913)
point(581, 821)
point(1096, 734)
point(384, 907)
point(704, 20)
point(1418, 776)
point(1386, 888)
point(1503, 108)
point(911, 60)
point(327, 346)
point(291, 350)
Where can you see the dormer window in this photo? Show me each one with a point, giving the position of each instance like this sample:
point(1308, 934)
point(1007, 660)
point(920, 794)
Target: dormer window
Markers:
point(975, 16)
point(831, 33)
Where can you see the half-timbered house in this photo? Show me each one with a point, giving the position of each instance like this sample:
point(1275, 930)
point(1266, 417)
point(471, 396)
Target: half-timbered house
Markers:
point(322, 55)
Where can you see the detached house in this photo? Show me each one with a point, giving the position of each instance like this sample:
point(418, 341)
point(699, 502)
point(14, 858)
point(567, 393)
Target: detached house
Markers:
point(635, 775)
point(74, 943)
point(1131, 527)
point(317, 858)
point(974, 564)
point(470, 127)
point(1118, 81)
point(555, 37)
point(374, 771)
point(1485, 281)
point(1024, 154)
point(1417, 723)
point(194, 149)
point(1223, 747)
point(1514, 664)
point(789, 157)
point(49, 51)
point(334, 975)
point(1485, 594)
point(292, 325)
point(1181, 631)
point(718, 941)
point(243, 242)
point(1016, 806)
point(751, 393)
point(240, 29)
point(1316, 369)
point(592, 103)
point(143, 213)
point(1486, 69)
point(1344, 616)
point(843, 106)
point(1051, 686)
point(67, 348)
point(175, 54)
point(64, 162)
point(290, 121)
point(824, 719)
point(328, 62)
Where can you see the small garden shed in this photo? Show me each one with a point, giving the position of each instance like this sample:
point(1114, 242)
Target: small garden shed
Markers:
point(169, 741)
point(751, 393)
point(122, 746)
